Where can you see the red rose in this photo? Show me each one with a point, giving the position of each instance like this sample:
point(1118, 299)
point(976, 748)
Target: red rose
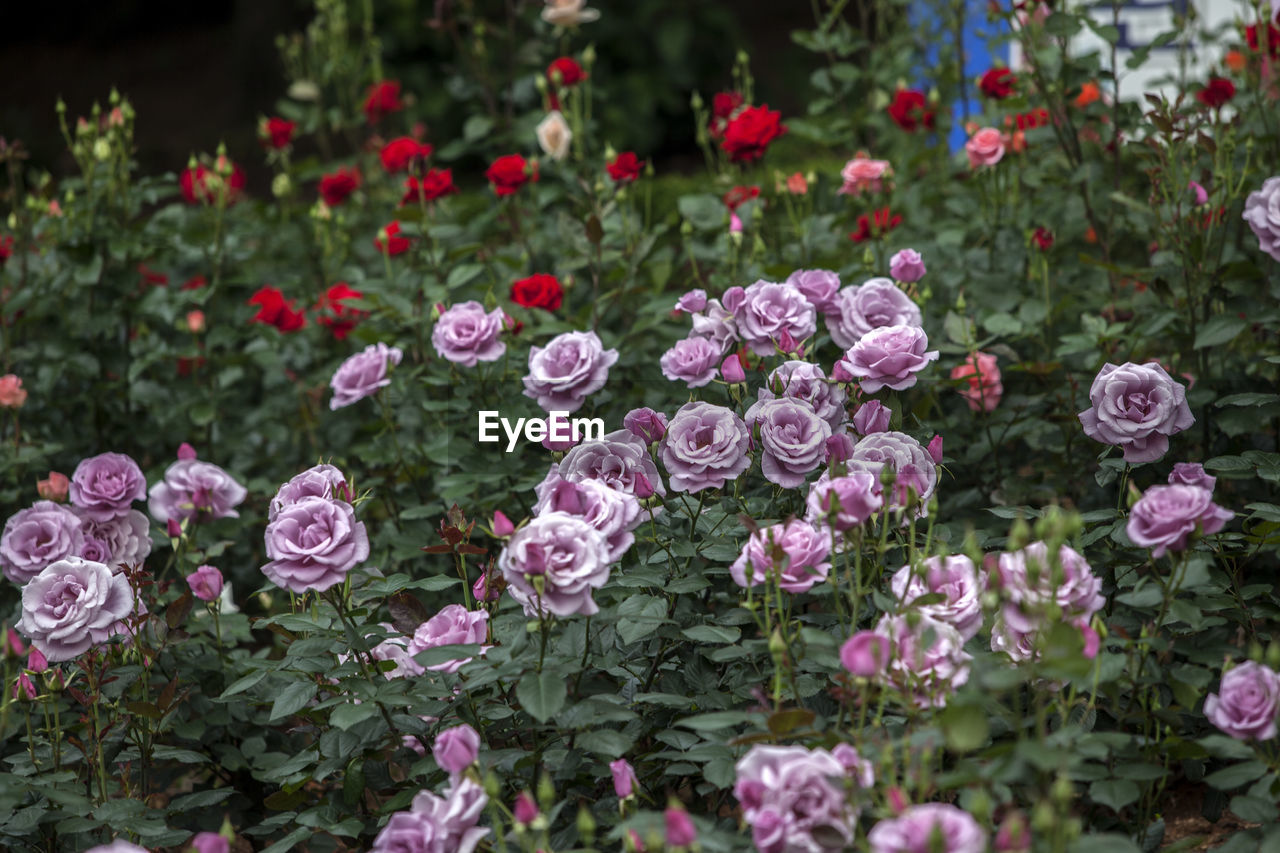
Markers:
point(569, 71)
point(436, 183)
point(338, 187)
point(1216, 92)
point(399, 153)
point(273, 310)
point(509, 173)
point(1273, 39)
point(749, 133)
point(1038, 117)
point(1043, 238)
point(908, 110)
point(739, 195)
point(201, 185)
point(195, 283)
point(997, 83)
point(276, 132)
point(723, 106)
point(395, 245)
point(879, 223)
point(332, 311)
point(383, 99)
point(151, 277)
point(625, 168)
point(6, 248)
point(538, 291)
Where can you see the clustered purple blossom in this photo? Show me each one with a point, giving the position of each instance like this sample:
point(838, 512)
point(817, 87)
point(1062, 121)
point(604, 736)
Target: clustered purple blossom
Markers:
point(435, 824)
point(874, 304)
point(769, 310)
point(363, 374)
point(1136, 407)
point(928, 828)
point(571, 367)
point(693, 361)
point(313, 539)
point(73, 605)
point(795, 551)
point(37, 537)
point(1165, 517)
point(192, 489)
point(956, 579)
point(793, 439)
point(914, 468)
point(890, 357)
point(802, 380)
point(619, 459)
point(554, 563)
point(1262, 212)
point(793, 799)
point(1247, 703)
point(705, 446)
point(466, 334)
point(1031, 582)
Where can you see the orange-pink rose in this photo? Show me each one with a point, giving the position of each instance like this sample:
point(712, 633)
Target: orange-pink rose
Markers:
point(862, 174)
point(985, 147)
point(12, 394)
point(984, 387)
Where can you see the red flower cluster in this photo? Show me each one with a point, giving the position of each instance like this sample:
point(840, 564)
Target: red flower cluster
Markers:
point(194, 283)
point(435, 184)
point(202, 185)
point(909, 110)
point(1038, 117)
point(332, 311)
point(1043, 238)
point(723, 106)
point(383, 99)
point(539, 290)
point(738, 196)
point(395, 244)
point(400, 153)
point(276, 132)
point(152, 277)
point(509, 173)
point(879, 223)
point(1273, 39)
point(625, 168)
point(749, 133)
point(997, 83)
point(1216, 92)
point(273, 310)
point(337, 187)
point(6, 248)
point(565, 72)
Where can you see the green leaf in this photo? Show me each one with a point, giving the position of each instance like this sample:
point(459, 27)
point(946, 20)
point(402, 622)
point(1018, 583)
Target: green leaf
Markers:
point(199, 800)
point(608, 743)
point(294, 697)
point(1249, 398)
point(965, 727)
point(639, 616)
point(346, 716)
point(541, 694)
point(1220, 330)
point(1116, 793)
point(712, 634)
point(244, 683)
point(1229, 778)
point(1253, 809)
point(715, 720)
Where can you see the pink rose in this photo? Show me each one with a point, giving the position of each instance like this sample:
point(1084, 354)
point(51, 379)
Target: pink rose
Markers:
point(205, 583)
point(985, 148)
point(984, 387)
point(12, 394)
point(862, 174)
point(865, 654)
point(55, 488)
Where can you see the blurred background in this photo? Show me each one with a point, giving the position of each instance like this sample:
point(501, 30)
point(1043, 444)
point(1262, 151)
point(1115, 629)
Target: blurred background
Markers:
point(203, 73)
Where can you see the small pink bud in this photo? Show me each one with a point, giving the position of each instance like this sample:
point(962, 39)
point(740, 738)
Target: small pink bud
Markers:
point(186, 451)
point(839, 447)
point(735, 224)
point(840, 372)
point(644, 488)
point(935, 449)
point(54, 488)
point(624, 778)
point(865, 654)
point(1202, 197)
point(195, 321)
point(732, 370)
point(13, 646)
point(635, 843)
point(1014, 835)
point(680, 829)
point(36, 661)
point(692, 302)
point(871, 417)
point(789, 345)
point(206, 583)
point(1091, 639)
point(525, 809)
point(173, 528)
point(502, 526)
point(897, 800)
point(23, 688)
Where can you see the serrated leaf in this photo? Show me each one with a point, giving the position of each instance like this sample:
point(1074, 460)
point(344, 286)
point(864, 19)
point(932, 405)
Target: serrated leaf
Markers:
point(346, 716)
point(542, 695)
point(1116, 793)
point(294, 697)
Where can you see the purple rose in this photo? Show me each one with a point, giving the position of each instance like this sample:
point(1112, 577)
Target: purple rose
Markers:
point(194, 489)
point(692, 302)
point(801, 380)
point(872, 416)
point(680, 829)
point(105, 486)
point(818, 286)
point(624, 777)
point(465, 334)
point(793, 439)
point(436, 824)
point(914, 468)
point(1192, 474)
point(619, 460)
point(1030, 581)
point(209, 842)
point(123, 541)
point(1165, 516)
point(553, 563)
point(956, 579)
point(692, 360)
point(928, 828)
point(797, 551)
point(568, 369)
point(716, 323)
point(321, 481)
point(705, 447)
point(72, 606)
point(890, 357)
point(363, 374)
point(456, 749)
point(1247, 702)
point(205, 583)
point(1136, 407)
point(395, 648)
point(611, 512)
point(1262, 212)
point(767, 310)
point(645, 424)
point(37, 537)
point(794, 799)
point(839, 447)
point(856, 767)
point(907, 266)
point(731, 369)
point(844, 502)
point(313, 543)
point(875, 303)
point(866, 654)
point(928, 661)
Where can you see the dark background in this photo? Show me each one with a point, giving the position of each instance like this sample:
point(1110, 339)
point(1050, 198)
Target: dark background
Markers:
point(201, 73)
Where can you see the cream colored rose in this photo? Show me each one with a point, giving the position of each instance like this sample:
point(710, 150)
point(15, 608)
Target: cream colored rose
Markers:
point(554, 135)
